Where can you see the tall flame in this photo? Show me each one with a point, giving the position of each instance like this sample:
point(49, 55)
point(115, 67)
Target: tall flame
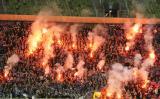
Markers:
point(47, 45)
point(131, 34)
point(152, 55)
point(59, 77)
point(35, 38)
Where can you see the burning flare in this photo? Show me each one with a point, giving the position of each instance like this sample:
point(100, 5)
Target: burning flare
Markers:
point(152, 55)
point(35, 38)
point(131, 35)
point(145, 83)
point(47, 45)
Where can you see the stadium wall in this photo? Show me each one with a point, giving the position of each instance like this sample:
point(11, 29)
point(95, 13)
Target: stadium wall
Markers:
point(11, 17)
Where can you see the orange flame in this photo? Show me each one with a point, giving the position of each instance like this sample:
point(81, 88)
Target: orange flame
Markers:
point(152, 55)
point(76, 74)
point(74, 46)
point(118, 96)
point(6, 73)
point(109, 94)
point(59, 42)
point(95, 43)
point(34, 39)
point(127, 48)
point(136, 28)
point(44, 30)
point(145, 83)
point(131, 34)
point(47, 70)
point(59, 77)
point(90, 45)
point(91, 55)
point(135, 73)
point(47, 45)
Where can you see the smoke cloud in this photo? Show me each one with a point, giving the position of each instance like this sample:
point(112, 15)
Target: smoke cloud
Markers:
point(74, 31)
point(137, 60)
point(117, 76)
point(69, 61)
point(12, 60)
point(81, 69)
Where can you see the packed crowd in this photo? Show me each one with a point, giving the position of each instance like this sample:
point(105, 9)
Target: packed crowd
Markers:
point(27, 79)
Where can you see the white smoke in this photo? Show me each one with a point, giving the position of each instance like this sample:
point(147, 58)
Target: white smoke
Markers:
point(74, 31)
point(90, 36)
point(100, 30)
point(81, 69)
point(100, 64)
point(131, 32)
point(96, 37)
point(60, 68)
point(69, 61)
point(148, 37)
point(80, 73)
point(147, 62)
point(137, 60)
point(118, 75)
point(47, 70)
point(57, 29)
point(80, 64)
point(96, 41)
point(12, 60)
point(143, 73)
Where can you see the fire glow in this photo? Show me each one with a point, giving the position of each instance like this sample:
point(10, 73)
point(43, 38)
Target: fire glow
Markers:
point(48, 40)
point(131, 35)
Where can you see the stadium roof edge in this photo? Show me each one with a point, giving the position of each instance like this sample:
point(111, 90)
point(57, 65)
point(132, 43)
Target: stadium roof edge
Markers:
point(75, 19)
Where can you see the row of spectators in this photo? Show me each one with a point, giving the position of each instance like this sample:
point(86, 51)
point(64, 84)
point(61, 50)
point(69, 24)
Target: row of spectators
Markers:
point(27, 78)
